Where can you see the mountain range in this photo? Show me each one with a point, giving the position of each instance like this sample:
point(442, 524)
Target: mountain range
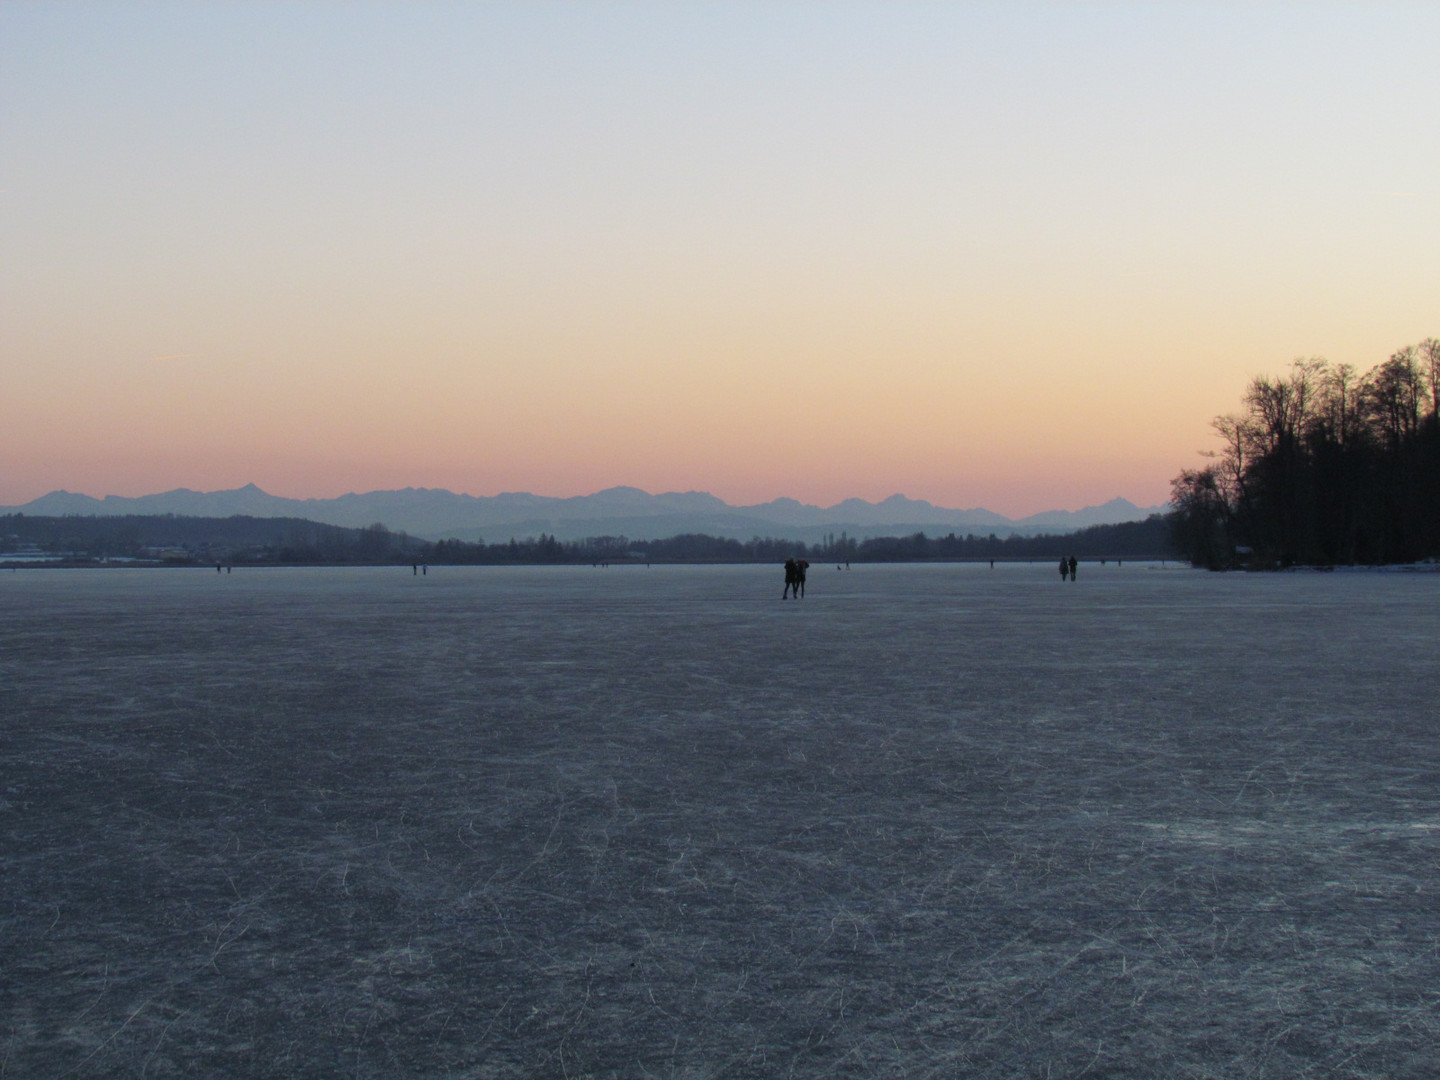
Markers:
point(436, 514)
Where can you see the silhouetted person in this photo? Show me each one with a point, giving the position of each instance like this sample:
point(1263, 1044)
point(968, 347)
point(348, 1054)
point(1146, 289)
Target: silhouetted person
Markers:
point(792, 580)
point(1064, 568)
point(1073, 564)
point(800, 567)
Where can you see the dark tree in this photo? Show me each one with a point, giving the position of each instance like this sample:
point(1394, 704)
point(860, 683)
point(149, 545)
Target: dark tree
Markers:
point(1322, 467)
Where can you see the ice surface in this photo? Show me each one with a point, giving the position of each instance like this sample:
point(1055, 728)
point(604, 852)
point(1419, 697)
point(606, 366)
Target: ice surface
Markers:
point(928, 821)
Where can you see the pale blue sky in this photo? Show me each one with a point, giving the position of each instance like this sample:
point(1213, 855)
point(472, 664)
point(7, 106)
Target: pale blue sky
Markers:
point(1005, 254)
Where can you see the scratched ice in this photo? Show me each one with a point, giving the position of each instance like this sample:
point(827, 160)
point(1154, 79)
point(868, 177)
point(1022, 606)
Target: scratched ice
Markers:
point(927, 821)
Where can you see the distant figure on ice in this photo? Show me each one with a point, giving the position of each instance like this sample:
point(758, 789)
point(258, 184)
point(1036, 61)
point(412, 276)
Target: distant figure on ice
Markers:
point(1064, 568)
point(792, 580)
point(1073, 564)
point(800, 567)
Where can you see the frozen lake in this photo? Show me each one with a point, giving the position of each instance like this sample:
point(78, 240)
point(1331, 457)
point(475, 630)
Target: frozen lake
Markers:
point(931, 821)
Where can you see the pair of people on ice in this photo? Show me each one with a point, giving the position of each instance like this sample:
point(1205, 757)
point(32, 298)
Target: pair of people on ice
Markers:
point(1067, 567)
point(794, 578)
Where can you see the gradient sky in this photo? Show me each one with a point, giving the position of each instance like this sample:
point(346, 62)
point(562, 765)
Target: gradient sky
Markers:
point(1008, 255)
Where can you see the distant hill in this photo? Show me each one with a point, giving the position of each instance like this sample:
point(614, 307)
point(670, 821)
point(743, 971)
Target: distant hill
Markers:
point(436, 514)
point(178, 540)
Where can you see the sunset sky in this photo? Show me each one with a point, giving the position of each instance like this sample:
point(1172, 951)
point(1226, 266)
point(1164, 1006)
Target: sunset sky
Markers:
point(1011, 255)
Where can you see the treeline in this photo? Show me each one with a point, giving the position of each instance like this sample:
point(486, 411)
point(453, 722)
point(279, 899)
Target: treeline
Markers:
point(293, 541)
point(1149, 539)
point(1324, 466)
point(239, 539)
